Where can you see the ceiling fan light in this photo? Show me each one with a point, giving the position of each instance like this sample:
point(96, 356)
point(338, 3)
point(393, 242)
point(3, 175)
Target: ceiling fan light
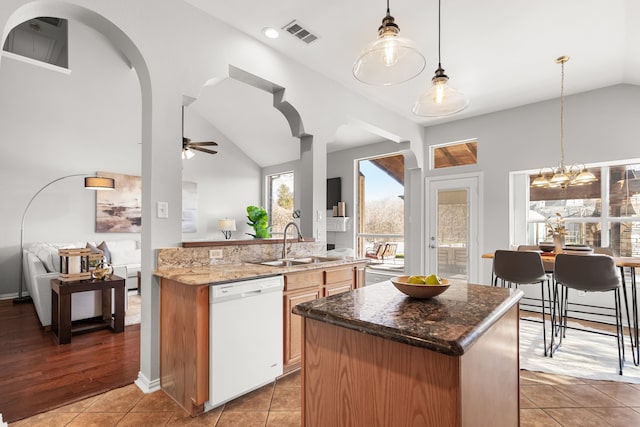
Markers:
point(187, 154)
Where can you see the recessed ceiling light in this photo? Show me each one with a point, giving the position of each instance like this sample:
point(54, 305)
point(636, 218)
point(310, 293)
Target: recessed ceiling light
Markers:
point(270, 33)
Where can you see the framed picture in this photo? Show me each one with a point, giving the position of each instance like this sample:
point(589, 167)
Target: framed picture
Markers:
point(119, 211)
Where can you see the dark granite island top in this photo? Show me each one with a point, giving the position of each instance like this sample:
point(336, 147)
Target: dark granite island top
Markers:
point(374, 356)
point(449, 323)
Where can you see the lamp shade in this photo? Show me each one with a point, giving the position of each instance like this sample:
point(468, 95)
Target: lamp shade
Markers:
point(99, 183)
point(227, 224)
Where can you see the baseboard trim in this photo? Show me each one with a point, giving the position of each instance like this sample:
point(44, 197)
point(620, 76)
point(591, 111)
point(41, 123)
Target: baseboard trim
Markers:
point(12, 295)
point(146, 385)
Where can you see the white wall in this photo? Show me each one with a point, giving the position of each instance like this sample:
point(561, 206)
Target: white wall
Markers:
point(227, 182)
point(600, 125)
point(55, 124)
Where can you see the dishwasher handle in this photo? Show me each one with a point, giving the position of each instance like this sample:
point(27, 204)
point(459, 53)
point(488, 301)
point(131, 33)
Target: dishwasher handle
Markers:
point(245, 289)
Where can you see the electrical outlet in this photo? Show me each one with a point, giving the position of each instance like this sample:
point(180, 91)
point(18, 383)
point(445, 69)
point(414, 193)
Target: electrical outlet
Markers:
point(582, 293)
point(215, 253)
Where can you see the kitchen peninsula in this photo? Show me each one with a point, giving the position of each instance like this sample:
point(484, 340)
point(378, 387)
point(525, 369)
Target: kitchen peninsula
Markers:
point(187, 276)
point(377, 357)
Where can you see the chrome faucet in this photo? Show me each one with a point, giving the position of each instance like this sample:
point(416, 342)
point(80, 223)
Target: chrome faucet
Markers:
point(284, 242)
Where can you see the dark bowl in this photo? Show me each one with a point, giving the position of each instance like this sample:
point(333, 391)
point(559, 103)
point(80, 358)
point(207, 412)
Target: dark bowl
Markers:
point(546, 246)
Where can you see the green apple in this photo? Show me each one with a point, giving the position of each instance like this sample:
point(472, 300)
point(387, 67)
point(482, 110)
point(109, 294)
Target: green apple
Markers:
point(416, 280)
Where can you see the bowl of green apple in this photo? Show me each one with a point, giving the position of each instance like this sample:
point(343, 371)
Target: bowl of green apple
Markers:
point(421, 286)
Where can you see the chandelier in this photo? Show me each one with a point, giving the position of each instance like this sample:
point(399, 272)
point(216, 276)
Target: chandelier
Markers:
point(563, 175)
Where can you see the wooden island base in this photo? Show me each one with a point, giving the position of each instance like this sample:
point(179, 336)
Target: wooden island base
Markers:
point(350, 378)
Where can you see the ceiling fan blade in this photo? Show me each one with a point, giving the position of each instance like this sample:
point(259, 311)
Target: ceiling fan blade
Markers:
point(202, 144)
point(204, 150)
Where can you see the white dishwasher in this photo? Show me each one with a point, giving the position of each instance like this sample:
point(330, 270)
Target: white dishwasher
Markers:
point(245, 337)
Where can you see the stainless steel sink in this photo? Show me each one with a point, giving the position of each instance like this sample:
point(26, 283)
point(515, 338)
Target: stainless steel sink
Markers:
point(298, 261)
point(315, 259)
point(281, 263)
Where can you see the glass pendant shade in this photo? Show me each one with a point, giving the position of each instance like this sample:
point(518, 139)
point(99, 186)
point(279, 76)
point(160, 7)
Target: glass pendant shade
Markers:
point(559, 177)
point(390, 59)
point(585, 177)
point(540, 181)
point(440, 99)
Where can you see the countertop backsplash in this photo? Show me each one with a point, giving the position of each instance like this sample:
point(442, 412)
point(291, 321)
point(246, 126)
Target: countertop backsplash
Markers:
point(171, 258)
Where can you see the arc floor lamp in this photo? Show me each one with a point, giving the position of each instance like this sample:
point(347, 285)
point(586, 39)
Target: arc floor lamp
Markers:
point(90, 183)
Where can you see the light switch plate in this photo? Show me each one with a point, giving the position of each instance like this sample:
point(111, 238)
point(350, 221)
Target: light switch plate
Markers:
point(162, 209)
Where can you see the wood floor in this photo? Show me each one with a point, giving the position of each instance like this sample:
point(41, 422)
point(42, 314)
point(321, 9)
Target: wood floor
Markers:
point(37, 374)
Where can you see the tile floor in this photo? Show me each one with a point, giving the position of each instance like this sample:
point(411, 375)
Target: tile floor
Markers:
point(545, 400)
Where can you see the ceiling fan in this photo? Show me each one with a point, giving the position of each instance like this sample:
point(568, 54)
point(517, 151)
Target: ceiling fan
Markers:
point(188, 146)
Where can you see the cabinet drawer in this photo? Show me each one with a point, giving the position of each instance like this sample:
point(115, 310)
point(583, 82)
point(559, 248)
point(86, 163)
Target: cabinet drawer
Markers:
point(339, 275)
point(338, 288)
point(302, 280)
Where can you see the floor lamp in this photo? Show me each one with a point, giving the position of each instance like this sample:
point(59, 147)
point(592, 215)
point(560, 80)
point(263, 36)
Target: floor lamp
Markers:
point(90, 182)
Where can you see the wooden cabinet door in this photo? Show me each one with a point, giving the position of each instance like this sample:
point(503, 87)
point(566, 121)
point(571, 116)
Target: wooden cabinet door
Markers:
point(360, 276)
point(293, 325)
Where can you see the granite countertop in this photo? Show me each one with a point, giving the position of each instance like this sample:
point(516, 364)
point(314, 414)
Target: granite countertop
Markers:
point(449, 323)
point(221, 273)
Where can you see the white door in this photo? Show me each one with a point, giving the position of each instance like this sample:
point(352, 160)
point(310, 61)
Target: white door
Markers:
point(453, 227)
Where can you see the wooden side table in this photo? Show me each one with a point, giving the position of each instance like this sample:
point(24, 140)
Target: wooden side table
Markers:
point(61, 306)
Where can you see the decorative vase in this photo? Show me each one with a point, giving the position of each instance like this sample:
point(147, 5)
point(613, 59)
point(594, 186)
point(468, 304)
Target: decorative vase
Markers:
point(558, 243)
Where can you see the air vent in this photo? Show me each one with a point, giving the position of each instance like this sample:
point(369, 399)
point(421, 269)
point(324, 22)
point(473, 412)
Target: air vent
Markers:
point(298, 30)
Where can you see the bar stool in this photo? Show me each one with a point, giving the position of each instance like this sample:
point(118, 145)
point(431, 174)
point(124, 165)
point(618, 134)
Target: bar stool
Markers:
point(588, 273)
point(524, 268)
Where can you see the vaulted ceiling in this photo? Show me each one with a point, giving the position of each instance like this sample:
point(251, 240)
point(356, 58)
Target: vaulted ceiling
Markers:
point(500, 54)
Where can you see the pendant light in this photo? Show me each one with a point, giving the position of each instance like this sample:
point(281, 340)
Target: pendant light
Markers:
point(390, 59)
point(563, 175)
point(441, 99)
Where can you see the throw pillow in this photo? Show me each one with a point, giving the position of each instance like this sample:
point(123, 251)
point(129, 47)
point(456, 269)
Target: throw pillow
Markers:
point(94, 248)
point(105, 250)
point(49, 257)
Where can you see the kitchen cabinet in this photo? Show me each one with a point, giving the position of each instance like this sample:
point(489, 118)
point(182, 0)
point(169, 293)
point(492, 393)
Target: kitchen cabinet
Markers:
point(184, 318)
point(378, 366)
point(184, 344)
point(308, 286)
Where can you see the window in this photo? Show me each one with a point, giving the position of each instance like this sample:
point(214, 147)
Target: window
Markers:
point(454, 154)
point(43, 39)
point(603, 213)
point(280, 200)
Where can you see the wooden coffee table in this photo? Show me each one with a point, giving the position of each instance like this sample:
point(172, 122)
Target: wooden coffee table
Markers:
point(61, 292)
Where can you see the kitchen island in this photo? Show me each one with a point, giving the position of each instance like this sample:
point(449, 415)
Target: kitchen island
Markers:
point(374, 356)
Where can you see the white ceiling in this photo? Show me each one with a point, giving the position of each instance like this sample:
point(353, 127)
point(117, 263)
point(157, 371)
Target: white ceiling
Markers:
point(501, 54)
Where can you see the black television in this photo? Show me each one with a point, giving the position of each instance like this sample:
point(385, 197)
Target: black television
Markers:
point(334, 192)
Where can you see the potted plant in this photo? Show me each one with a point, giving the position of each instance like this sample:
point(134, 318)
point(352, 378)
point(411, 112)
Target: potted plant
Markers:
point(259, 220)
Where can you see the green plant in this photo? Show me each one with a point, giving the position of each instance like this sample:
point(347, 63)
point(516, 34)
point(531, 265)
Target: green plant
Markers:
point(259, 220)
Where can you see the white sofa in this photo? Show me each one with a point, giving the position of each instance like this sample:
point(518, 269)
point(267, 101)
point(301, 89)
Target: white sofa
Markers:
point(41, 264)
